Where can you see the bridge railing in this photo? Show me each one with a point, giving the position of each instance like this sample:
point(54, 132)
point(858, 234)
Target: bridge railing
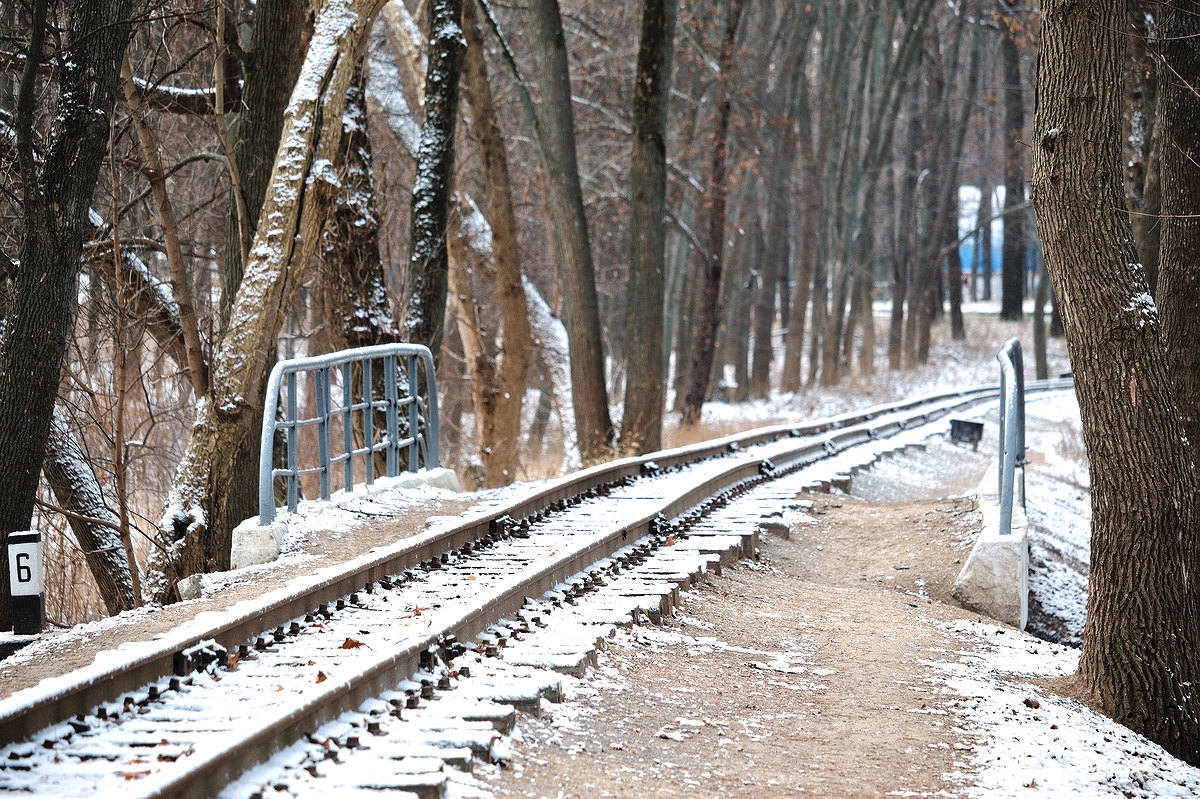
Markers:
point(367, 402)
point(1012, 429)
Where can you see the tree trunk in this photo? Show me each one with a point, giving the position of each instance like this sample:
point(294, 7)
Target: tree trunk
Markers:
point(1143, 630)
point(1013, 278)
point(56, 196)
point(502, 451)
point(193, 534)
point(705, 336)
point(645, 383)
point(569, 231)
point(428, 264)
point(181, 288)
point(787, 99)
point(1039, 325)
point(277, 41)
point(97, 529)
point(1179, 182)
point(1142, 140)
point(806, 252)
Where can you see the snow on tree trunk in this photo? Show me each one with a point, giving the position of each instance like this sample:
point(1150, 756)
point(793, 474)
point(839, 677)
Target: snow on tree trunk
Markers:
point(193, 535)
point(554, 361)
point(96, 528)
point(428, 263)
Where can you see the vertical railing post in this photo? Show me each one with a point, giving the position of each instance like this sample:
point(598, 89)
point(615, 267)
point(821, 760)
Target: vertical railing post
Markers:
point(293, 480)
point(413, 416)
point(322, 379)
point(368, 420)
point(348, 425)
point(1012, 429)
point(393, 422)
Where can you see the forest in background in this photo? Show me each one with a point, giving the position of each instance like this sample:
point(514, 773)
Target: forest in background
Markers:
point(598, 208)
point(814, 158)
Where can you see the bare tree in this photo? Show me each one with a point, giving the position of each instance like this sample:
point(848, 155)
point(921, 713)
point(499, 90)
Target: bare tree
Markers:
point(192, 534)
point(1143, 629)
point(57, 189)
point(645, 383)
point(428, 266)
point(704, 341)
point(569, 230)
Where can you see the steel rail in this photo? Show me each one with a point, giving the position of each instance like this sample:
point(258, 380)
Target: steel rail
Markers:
point(41, 707)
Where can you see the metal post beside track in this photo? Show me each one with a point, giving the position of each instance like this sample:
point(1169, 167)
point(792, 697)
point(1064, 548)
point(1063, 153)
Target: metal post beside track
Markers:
point(400, 384)
point(1012, 429)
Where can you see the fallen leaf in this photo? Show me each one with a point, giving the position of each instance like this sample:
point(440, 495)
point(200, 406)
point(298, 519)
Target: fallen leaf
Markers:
point(321, 677)
point(350, 643)
point(1031, 702)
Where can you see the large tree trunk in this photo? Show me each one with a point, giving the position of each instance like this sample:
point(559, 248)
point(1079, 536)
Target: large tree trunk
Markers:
point(56, 196)
point(192, 537)
point(1143, 627)
point(354, 297)
point(501, 446)
point(1013, 278)
point(277, 41)
point(645, 383)
point(569, 231)
point(1179, 182)
point(428, 264)
point(705, 336)
point(279, 31)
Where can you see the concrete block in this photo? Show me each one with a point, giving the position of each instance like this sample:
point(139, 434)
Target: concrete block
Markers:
point(995, 579)
point(254, 543)
point(440, 477)
point(189, 587)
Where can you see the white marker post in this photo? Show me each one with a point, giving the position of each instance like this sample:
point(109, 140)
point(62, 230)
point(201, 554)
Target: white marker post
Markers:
point(25, 580)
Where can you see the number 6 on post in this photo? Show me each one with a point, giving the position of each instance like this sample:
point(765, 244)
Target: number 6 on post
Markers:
point(25, 581)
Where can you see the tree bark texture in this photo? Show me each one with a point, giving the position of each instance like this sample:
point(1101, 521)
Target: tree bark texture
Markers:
point(1141, 636)
point(787, 99)
point(278, 37)
point(181, 288)
point(279, 33)
point(501, 444)
point(1178, 134)
point(428, 265)
point(645, 383)
point(569, 231)
point(1142, 141)
point(96, 528)
point(192, 535)
point(355, 303)
point(1013, 277)
point(56, 196)
point(704, 337)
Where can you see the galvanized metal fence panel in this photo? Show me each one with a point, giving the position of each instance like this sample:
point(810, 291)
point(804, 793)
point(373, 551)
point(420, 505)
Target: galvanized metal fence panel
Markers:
point(402, 366)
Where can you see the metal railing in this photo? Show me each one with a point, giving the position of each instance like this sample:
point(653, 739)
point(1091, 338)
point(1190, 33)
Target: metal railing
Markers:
point(410, 423)
point(1012, 429)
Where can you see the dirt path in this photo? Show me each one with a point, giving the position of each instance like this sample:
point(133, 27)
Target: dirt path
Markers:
point(800, 674)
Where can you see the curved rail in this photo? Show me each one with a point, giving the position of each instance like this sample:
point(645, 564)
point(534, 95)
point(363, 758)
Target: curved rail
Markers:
point(77, 694)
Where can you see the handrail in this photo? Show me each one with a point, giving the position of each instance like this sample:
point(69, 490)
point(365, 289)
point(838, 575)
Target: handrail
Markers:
point(400, 385)
point(1012, 429)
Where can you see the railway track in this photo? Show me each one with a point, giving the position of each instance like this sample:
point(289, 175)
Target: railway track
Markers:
point(404, 668)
